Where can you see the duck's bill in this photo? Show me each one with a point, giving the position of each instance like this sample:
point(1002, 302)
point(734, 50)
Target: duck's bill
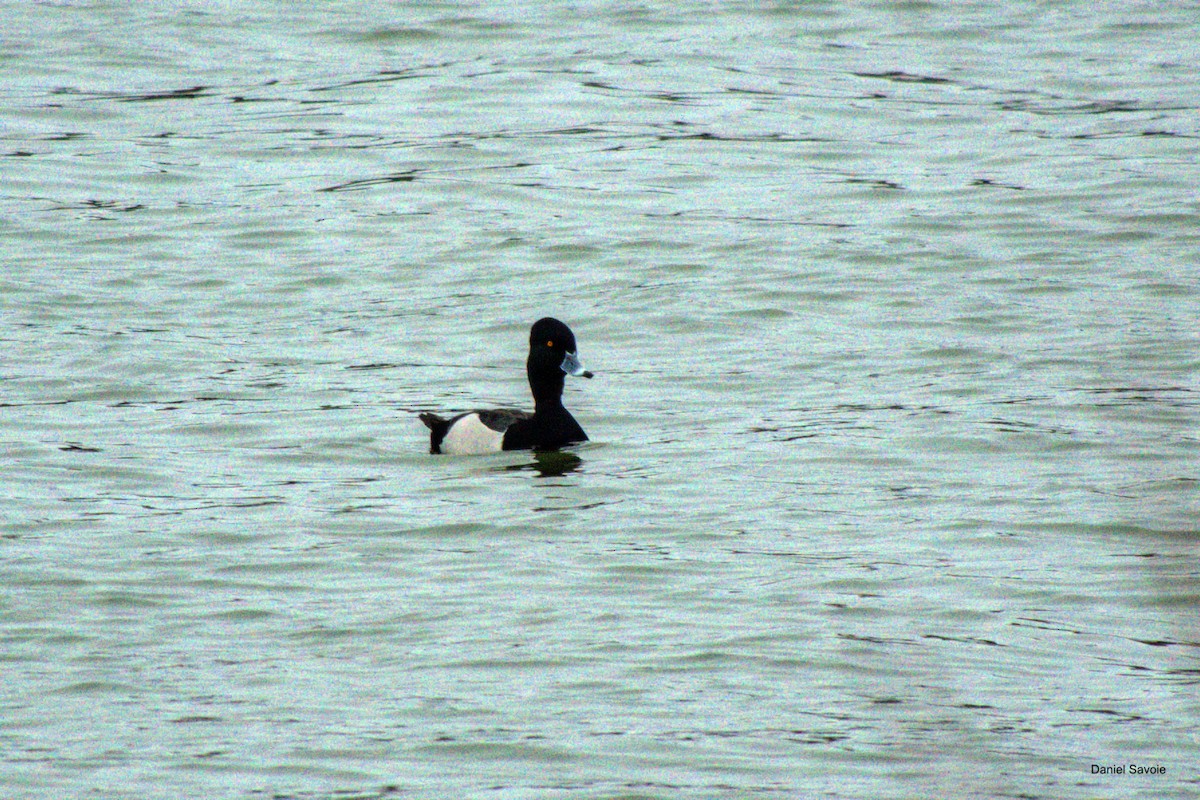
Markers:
point(572, 366)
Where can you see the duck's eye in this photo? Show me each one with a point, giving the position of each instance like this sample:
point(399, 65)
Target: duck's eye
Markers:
point(549, 343)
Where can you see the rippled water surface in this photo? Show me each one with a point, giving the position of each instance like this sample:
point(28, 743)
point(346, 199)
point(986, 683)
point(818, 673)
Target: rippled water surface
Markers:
point(892, 488)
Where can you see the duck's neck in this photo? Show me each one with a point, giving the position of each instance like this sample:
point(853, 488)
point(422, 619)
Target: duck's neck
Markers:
point(547, 391)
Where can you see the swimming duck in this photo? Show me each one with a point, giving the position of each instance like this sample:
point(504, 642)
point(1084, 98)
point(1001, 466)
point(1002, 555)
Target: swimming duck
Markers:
point(552, 357)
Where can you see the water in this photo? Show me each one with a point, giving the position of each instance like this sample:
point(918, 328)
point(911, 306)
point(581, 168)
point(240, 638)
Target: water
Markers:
point(892, 489)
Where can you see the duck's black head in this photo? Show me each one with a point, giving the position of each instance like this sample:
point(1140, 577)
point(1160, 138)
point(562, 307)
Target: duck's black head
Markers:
point(552, 356)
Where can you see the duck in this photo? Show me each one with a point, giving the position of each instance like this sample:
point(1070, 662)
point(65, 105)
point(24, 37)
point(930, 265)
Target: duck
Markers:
point(553, 356)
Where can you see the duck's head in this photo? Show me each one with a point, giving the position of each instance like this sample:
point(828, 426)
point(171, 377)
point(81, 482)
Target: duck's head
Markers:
point(552, 351)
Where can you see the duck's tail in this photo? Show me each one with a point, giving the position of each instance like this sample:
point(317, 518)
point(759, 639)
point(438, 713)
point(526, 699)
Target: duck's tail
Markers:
point(432, 421)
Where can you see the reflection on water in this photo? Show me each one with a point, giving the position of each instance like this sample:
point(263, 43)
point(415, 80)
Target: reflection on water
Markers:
point(549, 463)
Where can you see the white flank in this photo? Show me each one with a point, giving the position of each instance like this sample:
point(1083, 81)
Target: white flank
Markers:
point(468, 436)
